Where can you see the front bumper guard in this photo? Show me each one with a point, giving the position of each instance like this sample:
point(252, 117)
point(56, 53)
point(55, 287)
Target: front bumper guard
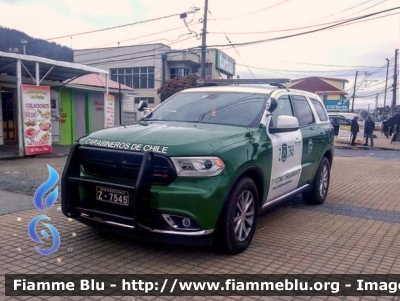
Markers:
point(142, 219)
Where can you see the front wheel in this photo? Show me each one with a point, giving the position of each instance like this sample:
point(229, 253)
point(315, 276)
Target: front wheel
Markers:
point(320, 184)
point(239, 219)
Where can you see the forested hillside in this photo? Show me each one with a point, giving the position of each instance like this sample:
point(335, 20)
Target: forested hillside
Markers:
point(10, 41)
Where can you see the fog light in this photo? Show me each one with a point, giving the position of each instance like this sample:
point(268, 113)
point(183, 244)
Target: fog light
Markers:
point(186, 222)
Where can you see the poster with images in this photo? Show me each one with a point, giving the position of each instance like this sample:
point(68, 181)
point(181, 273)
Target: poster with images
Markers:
point(108, 111)
point(36, 116)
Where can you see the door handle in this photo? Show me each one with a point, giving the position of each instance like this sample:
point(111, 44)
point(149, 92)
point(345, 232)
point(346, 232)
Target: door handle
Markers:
point(297, 141)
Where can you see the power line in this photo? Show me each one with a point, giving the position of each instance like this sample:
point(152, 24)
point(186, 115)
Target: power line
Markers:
point(343, 10)
point(104, 29)
point(135, 58)
point(119, 26)
point(307, 32)
point(236, 50)
point(254, 12)
point(367, 8)
point(98, 61)
point(130, 39)
point(310, 26)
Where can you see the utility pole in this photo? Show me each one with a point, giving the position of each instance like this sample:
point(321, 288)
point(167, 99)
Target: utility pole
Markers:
point(387, 73)
point(394, 82)
point(203, 42)
point(354, 93)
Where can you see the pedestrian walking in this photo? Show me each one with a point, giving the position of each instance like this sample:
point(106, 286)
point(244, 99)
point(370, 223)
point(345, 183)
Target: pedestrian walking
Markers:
point(354, 129)
point(385, 129)
point(395, 133)
point(369, 130)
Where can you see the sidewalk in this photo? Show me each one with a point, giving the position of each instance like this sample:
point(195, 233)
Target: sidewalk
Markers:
point(381, 142)
point(12, 152)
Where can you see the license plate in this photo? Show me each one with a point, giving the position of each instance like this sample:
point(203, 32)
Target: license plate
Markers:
point(114, 196)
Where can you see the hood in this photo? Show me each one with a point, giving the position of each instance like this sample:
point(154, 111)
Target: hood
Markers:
point(169, 138)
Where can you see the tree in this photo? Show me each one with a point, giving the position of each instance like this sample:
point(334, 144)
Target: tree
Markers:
point(177, 84)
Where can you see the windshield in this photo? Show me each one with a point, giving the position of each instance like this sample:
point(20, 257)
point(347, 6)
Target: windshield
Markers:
point(230, 108)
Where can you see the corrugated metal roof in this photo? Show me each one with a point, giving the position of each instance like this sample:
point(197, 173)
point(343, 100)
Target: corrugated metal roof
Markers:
point(61, 72)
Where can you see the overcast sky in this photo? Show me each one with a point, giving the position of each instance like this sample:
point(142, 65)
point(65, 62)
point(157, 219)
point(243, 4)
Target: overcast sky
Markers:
point(360, 45)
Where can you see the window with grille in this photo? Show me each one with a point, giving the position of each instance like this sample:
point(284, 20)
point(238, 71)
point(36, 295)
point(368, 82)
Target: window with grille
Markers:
point(136, 78)
point(175, 72)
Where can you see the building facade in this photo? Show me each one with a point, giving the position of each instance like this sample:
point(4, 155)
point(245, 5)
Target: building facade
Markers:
point(331, 90)
point(145, 67)
point(60, 103)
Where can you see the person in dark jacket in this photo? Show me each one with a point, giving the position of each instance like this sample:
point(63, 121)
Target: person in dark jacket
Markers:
point(385, 129)
point(354, 129)
point(369, 131)
point(395, 133)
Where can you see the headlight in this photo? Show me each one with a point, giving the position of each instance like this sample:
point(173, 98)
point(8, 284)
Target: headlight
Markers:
point(198, 166)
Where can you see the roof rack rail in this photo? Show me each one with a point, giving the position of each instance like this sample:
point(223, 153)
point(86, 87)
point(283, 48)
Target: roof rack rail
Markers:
point(278, 82)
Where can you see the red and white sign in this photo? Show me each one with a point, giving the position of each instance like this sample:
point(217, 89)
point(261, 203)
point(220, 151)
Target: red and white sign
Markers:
point(36, 119)
point(108, 111)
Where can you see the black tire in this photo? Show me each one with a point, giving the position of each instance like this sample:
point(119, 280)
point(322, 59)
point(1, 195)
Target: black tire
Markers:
point(320, 187)
point(226, 239)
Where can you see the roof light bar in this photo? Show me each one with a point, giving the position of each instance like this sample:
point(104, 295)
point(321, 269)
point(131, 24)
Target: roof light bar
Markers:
point(242, 81)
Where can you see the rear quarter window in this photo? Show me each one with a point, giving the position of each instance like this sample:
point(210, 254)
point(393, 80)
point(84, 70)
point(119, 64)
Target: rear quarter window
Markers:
point(319, 109)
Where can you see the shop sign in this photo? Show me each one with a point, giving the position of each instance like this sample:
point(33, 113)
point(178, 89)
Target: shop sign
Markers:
point(225, 63)
point(337, 105)
point(36, 119)
point(109, 110)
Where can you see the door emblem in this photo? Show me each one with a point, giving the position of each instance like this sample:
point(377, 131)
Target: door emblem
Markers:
point(284, 152)
point(310, 146)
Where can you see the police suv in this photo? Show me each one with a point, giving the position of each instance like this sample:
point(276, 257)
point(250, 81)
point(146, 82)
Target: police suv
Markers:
point(201, 166)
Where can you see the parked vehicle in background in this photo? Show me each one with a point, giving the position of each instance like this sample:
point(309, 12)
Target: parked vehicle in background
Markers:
point(378, 126)
point(337, 121)
point(349, 116)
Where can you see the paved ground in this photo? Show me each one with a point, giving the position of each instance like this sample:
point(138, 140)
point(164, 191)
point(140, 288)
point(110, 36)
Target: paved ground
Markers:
point(357, 230)
point(380, 142)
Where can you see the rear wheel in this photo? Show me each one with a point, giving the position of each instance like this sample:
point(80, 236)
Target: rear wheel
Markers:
point(320, 184)
point(238, 222)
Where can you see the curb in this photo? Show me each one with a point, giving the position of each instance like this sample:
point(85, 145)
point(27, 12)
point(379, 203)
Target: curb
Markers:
point(55, 155)
point(364, 147)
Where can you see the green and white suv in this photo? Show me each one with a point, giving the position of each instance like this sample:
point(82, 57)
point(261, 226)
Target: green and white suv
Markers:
point(201, 166)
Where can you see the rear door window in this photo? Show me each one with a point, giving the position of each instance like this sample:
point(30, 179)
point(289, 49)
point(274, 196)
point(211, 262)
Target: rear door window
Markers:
point(303, 111)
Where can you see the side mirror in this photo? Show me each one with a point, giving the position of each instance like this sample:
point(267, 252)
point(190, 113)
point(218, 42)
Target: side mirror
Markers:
point(285, 124)
point(272, 104)
point(142, 105)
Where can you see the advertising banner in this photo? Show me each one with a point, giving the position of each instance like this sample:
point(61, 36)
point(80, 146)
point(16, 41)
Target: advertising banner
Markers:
point(36, 119)
point(108, 110)
point(344, 134)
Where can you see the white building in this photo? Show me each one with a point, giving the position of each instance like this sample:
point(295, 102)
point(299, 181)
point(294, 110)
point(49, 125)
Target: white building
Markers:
point(145, 67)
